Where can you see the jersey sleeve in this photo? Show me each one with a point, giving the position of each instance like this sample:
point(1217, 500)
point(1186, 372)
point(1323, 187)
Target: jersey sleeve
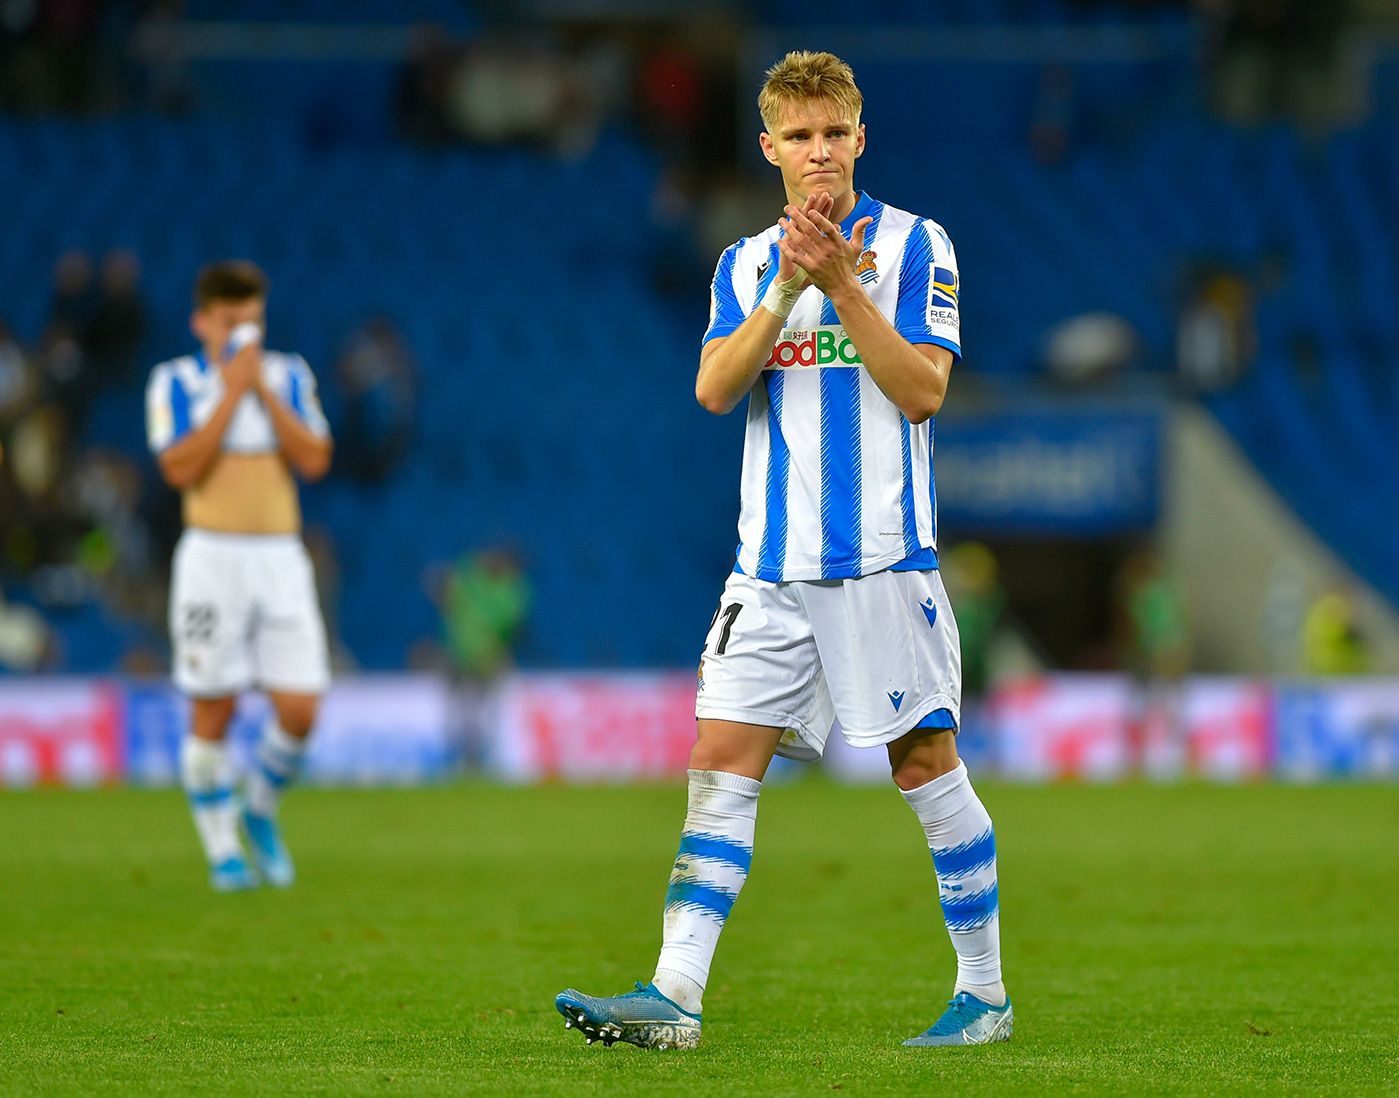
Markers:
point(725, 314)
point(167, 409)
point(302, 398)
point(927, 310)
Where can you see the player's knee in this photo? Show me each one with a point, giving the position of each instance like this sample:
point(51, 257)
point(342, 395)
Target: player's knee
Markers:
point(210, 716)
point(921, 756)
point(296, 714)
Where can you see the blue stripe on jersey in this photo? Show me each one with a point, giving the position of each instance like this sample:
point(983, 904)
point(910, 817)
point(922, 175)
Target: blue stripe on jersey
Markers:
point(840, 471)
point(932, 484)
point(925, 560)
point(911, 312)
point(876, 211)
point(727, 314)
point(294, 394)
point(772, 553)
point(179, 409)
point(906, 495)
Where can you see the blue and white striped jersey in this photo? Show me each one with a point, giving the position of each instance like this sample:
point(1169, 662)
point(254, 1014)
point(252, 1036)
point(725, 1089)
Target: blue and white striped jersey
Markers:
point(836, 481)
point(183, 393)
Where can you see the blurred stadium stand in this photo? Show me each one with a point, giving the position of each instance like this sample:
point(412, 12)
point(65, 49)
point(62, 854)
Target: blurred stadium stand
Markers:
point(554, 403)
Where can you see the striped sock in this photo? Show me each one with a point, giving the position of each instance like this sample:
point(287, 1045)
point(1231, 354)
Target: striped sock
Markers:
point(276, 766)
point(206, 771)
point(963, 845)
point(716, 849)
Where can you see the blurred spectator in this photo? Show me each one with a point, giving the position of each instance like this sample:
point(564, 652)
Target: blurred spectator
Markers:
point(17, 381)
point(74, 298)
point(423, 83)
point(116, 550)
point(1156, 641)
point(157, 43)
point(113, 333)
point(1275, 58)
point(979, 602)
point(1090, 348)
point(1156, 650)
point(1332, 642)
point(26, 643)
point(1215, 335)
point(379, 384)
point(484, 602)
point(521, 91)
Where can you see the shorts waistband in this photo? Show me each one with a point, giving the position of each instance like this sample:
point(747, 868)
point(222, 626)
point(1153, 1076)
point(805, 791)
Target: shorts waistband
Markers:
point(225, 537)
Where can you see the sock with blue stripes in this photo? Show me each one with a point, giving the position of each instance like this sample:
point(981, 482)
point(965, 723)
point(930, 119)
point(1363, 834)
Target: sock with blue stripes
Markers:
point(206, 772)
point(276, 766)
point(963, 845)
point(716, 849)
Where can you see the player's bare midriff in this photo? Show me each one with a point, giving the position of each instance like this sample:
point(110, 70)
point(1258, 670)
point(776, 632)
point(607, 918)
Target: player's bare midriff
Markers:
point(245, 494)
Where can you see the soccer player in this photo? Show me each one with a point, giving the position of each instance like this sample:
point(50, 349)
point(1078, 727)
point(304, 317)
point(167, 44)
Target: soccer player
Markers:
point(231, 425)
point(840, 324)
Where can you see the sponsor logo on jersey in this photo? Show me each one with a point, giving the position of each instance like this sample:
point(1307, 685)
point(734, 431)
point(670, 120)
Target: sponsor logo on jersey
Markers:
point(827, 345)
point(944, 287)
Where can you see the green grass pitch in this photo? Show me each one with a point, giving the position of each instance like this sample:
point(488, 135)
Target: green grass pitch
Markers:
point(1175, 940)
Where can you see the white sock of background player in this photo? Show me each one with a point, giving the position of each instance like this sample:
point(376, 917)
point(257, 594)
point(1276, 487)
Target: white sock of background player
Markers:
point(206, 771)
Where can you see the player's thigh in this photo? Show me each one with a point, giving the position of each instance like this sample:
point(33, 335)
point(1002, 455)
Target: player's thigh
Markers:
point(210, 615)
point(289, 639)
point(734, 747)
point(889, 648)
point(760, 669)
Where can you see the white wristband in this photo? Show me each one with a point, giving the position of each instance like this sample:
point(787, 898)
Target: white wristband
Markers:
point(781, 297)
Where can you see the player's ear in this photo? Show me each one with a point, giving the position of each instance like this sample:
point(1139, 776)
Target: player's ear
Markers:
point(196, 325)
point(769, 149)
point(859, 141)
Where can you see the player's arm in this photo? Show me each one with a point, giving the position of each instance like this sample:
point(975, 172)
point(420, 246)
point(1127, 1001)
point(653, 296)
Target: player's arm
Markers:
point(730, 364)
point(304, 441)
point(185, 461)
point(913, 377)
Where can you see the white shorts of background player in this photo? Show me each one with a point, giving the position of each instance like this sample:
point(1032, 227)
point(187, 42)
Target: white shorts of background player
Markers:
point(244, 615)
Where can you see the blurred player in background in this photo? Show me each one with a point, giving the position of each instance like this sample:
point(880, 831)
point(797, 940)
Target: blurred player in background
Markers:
point(230, 426)
point(841, 325)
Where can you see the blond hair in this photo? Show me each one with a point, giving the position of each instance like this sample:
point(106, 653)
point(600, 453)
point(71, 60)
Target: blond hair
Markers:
point(806, 75)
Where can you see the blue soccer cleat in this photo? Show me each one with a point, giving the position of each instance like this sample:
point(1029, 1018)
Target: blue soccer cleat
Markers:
point(233, 875)
point(643, 1017)
point(967, 1021)
point(270, 853)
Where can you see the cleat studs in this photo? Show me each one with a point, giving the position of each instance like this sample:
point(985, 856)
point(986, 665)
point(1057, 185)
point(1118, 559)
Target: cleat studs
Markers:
point(568, 1023)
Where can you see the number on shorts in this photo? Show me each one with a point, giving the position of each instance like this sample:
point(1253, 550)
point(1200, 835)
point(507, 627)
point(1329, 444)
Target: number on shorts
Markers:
point(201, 619)
point(730, 613)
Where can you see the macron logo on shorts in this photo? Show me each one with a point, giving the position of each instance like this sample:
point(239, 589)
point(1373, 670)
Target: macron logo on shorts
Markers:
point(896, 699)
point(930, 610)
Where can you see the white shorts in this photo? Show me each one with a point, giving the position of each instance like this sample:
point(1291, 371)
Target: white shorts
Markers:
point(879, 652)
point(243, 613)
